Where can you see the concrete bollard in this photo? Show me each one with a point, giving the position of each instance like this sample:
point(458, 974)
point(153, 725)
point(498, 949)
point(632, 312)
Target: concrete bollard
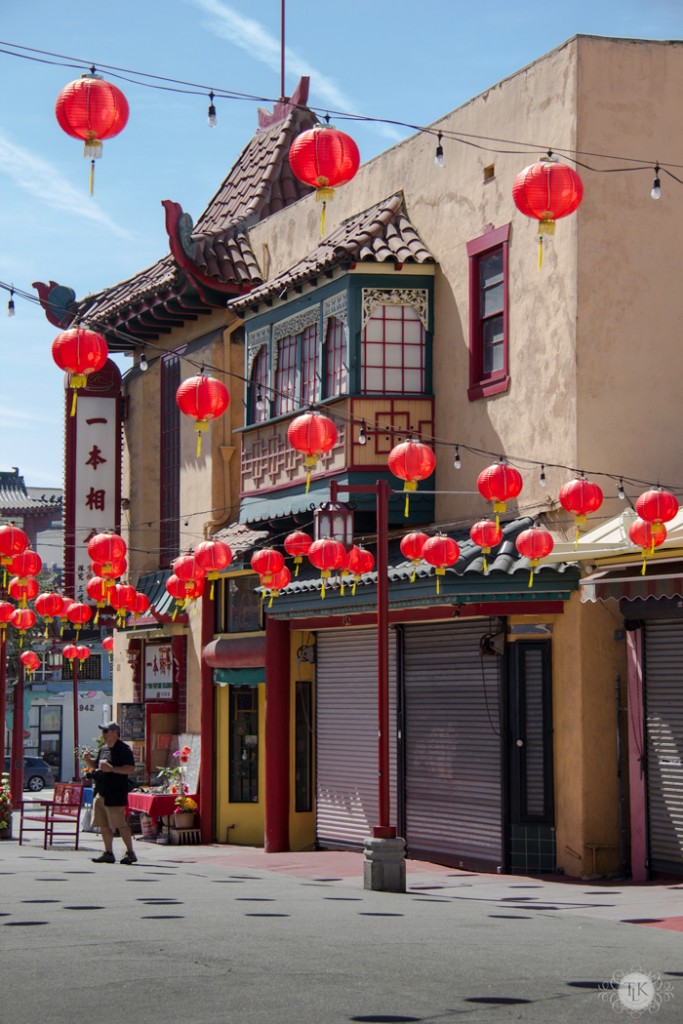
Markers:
point(384, 868)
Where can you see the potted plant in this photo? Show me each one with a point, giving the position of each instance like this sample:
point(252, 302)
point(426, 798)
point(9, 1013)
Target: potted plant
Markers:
point(185, 808)
point(5, 808)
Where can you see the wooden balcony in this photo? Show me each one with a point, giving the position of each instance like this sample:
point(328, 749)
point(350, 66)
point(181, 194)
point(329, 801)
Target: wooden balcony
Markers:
point(270, 464)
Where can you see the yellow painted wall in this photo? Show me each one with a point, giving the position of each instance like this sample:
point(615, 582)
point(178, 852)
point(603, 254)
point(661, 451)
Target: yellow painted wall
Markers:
point(301, 823)
point(586, 659)
point(247, 819)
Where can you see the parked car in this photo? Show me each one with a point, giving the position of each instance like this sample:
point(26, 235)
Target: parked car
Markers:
point(37, 773)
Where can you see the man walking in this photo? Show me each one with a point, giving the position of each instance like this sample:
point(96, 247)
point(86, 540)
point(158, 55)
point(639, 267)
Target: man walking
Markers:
point(111, 771)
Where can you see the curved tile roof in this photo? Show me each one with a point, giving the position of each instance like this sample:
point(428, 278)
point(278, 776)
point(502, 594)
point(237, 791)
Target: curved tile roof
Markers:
point(381, 234)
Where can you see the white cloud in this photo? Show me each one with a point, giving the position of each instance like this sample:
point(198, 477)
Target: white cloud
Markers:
point(43, 182)
point(252, 37)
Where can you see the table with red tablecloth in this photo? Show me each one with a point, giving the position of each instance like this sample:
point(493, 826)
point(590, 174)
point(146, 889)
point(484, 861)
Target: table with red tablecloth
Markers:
point(155, 805)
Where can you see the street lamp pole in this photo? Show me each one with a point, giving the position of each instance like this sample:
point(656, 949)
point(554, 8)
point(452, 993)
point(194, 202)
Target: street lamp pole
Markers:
point(384, 867)
point(16, 769)
point(75, 702)
point(3, 693)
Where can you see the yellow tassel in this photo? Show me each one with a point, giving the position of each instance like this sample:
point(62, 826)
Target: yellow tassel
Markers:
point(92, 177)
point(642, 571)
point(353, 588)
point(213, 587)
point(270, 603)
point(531, 578)
point(322, 220)
point(486, 568)
point(540, 251)
point(97, 617)
point(414, 575)
point(73, 403)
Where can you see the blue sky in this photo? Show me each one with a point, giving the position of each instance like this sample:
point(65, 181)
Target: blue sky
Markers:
point(394, 59)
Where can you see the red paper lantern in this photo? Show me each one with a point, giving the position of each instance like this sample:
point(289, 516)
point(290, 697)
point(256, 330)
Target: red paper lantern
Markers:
point(79, 352)
point(186, 567)
point(69, 651)
point(487, 535)
point(657, 507)
point(313, 435)
point(324, 158)
point(22, 619)
point(49, 606)
point(23, 589)
point(202, 398)
point(107, 548)
point(108, 644)
point(327, 555)
point(534, 544)
point(643, 534)
point(297, 544)
point(440, 551)
point(267, 562)
point(78, 614)
point(580, 496)
point(30, 661)
point(110, 571)
point(82, 652)
point(499, 483)
point(213, 556)
point(359, 562)
point(411, 461)
point(28, 563)
point(278, 582)
point(140, 604)
point(412, 546)
point(547, 191)
point(6, 610)
point(184, 590)
point(92, 110)
point(12, 542)
point(98, 591)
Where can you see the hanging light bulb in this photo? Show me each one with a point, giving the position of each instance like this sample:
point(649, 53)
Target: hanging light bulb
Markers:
point(438, 155)
point(541, 478)
point(456, 458)
point(656, 192)
point(144, 365)
point(362, 435)
point(621, 493)
point(10, 305)
point(212, 112)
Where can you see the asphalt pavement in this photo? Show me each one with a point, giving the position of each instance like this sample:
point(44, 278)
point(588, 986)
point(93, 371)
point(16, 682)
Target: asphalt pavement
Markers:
point(233, 935)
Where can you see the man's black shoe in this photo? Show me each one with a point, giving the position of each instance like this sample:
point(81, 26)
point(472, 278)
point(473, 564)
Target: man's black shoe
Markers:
point(106, 858)
point(130, 858)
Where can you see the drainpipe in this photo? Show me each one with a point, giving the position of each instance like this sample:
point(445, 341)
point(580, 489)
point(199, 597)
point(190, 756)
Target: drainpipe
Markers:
point(620, 780)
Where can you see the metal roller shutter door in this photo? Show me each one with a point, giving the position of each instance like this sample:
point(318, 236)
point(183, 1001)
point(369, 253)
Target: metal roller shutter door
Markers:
point(347, 804)
point(453, 786)
point(664, 734)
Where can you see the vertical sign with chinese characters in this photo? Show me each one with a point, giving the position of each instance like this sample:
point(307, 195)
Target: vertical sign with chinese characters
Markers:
point(93, 473)
point(158, 671)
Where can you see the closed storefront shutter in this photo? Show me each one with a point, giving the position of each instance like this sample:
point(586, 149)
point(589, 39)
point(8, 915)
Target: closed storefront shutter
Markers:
point(664, 736)
point(347, 788)
point(453, 787)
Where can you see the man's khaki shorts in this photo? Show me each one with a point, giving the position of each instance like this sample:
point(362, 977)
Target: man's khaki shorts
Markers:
point(108, 817)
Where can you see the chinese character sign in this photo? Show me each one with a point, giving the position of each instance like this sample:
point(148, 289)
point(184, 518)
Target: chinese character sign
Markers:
point(158, 672)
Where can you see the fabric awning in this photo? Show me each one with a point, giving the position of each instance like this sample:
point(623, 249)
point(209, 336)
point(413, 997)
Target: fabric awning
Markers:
point(239, 676)
point(659, 581)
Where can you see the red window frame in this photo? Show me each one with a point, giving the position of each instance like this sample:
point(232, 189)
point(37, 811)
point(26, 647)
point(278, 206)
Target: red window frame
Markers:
point(483, 384)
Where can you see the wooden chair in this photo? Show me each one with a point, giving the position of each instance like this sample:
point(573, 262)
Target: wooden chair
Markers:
point(58, 817)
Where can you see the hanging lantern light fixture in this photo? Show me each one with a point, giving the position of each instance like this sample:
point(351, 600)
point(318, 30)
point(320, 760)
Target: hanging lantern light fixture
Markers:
point(313, 435)
point(297, 544)
point(580, 497)
point(499, 483)
point(487, 535)
point(534, 544)
point(202, 398)
point(643, 535)
point(12, 542)
point(278, 582)
point(441, 552)
point(213, 556)
point(657, 507)
point(78, 615)
point(327, 555)
point(92, 110)
point(324, 158)
point(411, 461)
point(547, 191)
point(30, 661)
point(22, 619)
point(360, 561)
point(412, 546)
point(23, 590)
point(80, 353)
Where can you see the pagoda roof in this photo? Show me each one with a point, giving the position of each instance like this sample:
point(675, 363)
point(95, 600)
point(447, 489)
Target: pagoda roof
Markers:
point(15, 499)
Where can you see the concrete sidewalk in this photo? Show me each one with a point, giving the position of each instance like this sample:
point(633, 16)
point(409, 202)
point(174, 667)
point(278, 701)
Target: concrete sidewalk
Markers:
point(231, 935)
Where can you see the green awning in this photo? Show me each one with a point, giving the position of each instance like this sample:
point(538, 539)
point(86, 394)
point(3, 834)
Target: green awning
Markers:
point(239, 676)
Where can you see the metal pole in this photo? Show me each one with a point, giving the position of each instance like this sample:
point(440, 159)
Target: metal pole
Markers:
point(74, 662)
point(384, 830)
point(282, 51)
point(16, 781)
point(3, 693)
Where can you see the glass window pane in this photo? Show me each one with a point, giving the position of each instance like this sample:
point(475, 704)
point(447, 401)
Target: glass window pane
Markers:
point(491, 268)
point(492, 299)
point(493, 345)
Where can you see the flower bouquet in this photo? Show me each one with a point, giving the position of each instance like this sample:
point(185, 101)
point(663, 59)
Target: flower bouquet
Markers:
point(5, 807)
